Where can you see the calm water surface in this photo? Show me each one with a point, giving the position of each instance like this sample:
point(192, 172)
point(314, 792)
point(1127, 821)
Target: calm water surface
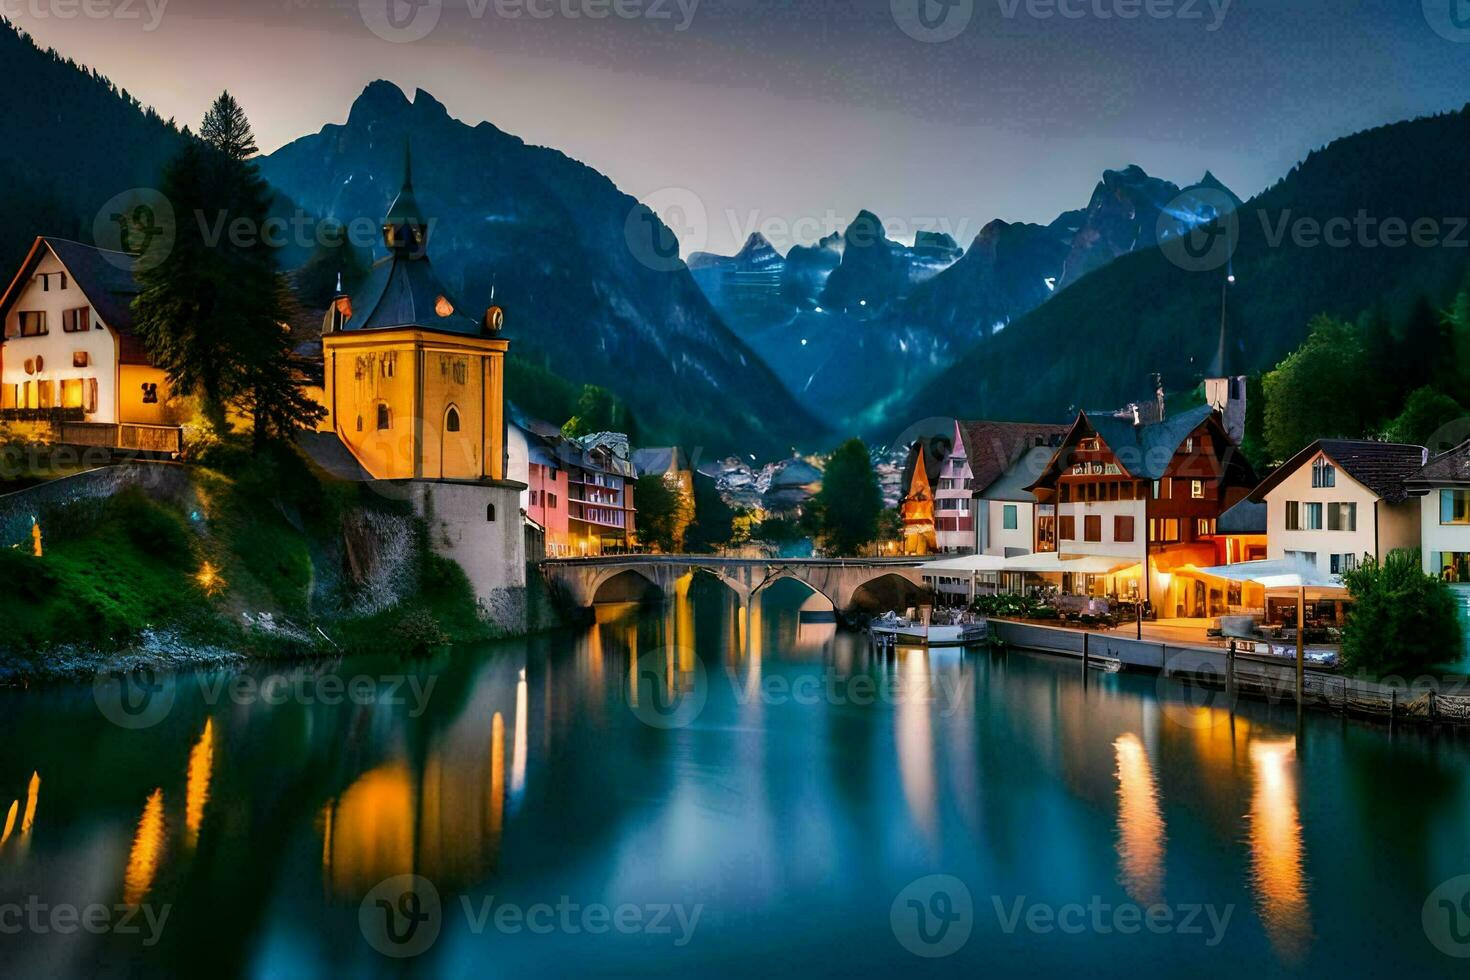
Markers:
point(779, 832)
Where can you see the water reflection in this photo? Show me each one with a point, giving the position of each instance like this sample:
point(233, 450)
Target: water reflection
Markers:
point(196, 795)
point(1276, 849)
point(1141, 831)
point(914, 732)
point(147, 852)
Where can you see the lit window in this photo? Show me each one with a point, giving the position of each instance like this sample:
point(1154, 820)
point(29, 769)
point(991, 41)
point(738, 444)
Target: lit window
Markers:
point(1197, 489)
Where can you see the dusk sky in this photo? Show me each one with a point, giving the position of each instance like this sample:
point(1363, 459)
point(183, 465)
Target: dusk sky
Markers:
point(800, 114)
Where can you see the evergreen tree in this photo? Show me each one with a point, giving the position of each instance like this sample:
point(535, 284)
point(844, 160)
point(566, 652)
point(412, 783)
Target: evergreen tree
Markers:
point(227, 130)
point(213, 312)
point(850, 501)
point(657, 513)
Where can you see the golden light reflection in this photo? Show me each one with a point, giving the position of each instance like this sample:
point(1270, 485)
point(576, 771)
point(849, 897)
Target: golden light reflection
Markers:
point(147, 852)
point(1141, 831)
point(495, 811)
point(369, 832)
point(196, 792)
point(10, 822)
point(33, 797)
point(1277, 855)
point(633, 666)
point(915, 739)
point(518, 758)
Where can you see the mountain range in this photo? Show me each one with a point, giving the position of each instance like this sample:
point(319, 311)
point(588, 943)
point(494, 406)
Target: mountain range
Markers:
point(828, 315)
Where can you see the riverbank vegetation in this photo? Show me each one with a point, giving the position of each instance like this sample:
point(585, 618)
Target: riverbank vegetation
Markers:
point(261, 554)
point(1400, 618)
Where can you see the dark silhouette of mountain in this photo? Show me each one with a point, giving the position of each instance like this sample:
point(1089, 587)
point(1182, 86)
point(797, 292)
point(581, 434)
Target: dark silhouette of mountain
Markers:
point(849, 303)
point(586, 293)
point(70, 140)
point(1158, 310)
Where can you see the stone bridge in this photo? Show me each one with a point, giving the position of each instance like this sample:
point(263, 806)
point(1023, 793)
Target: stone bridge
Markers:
point(580, 580)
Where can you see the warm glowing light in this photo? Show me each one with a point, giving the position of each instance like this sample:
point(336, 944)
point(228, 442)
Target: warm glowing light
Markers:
point(915, 739)
point(443, 307)
point(147, 851)
point(496, 809)
point(518, 757)
point(209, 579)
point(10, 822)
point(371, 831)
point(196, 794)
point(1277, 856)
point(36, 540)
point(33, 796)
point(1141, 831)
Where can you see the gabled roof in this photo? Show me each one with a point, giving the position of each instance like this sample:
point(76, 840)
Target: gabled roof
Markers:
point(1246, 517)
point(1013, 483)
point(934, 450)
point(1452, 467)
point(105, 277)
point(993, 447)
point(1146, 450)
point(1382, 467)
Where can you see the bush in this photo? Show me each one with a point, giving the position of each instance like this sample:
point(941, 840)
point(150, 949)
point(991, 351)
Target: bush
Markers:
point(419, 633)
point(1400, 617)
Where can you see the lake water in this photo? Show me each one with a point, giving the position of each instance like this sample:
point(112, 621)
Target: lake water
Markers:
point(681, 792)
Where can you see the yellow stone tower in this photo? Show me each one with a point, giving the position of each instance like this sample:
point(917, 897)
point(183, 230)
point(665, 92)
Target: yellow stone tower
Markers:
point(414, 387)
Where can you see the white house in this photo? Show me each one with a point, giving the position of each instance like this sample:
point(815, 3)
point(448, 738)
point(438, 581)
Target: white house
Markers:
point(1341, 499)
point(69, 356)
point(982, 453)
point(1443, 491)
point(1008, 524)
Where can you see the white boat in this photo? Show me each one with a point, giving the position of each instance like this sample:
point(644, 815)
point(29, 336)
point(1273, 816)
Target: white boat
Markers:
point(917, 634)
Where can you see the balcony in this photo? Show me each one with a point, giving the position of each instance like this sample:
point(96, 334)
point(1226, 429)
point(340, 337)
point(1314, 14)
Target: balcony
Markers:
point(167, 439)
point(50, 416)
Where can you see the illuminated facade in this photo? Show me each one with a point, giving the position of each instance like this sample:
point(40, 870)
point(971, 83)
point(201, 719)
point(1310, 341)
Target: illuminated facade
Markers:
point(70, 364)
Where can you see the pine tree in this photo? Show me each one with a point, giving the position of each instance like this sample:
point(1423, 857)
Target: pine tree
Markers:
point(226, 129)
point(213, 313)
point(850, 501)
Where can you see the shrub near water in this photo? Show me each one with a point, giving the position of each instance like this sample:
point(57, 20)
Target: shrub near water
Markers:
point(109, 570)
point(1400, 618)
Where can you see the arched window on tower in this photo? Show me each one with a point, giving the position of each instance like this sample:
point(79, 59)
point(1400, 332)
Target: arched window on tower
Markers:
point(451, 420)
point(490, 513)
point(382, 417)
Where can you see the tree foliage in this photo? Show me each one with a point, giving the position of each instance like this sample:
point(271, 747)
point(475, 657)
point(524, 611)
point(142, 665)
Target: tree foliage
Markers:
point(850, 502)
point(1304, 394)
point(714, 520)
point(1400, 617)
point(658, 512)
point(226, 129)
point(213, 311)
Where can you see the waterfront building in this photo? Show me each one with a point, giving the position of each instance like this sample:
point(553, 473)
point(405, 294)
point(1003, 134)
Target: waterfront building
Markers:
point(1341, 499)
point(921, 473)
point(72, 370)
point(414, 389)
point(1148, 494)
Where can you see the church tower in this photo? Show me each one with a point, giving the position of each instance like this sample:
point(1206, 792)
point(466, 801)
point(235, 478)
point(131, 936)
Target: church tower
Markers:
point(1225, 391)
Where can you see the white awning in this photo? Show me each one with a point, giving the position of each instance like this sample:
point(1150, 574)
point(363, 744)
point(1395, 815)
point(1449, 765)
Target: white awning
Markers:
point(1051, 563)
point(964, 565)
point(1278, 573)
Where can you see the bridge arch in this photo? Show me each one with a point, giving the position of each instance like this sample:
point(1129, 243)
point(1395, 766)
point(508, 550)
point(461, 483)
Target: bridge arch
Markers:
point(789, 575)
point(629, 583)
point(882, 591)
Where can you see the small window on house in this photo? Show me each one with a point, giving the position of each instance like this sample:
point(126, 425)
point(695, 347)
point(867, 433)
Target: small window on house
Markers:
point(76, 320)
point(33, 324)
point(80, 359)
point(1122, 529)
point(389, 363)
point(451, 420)
point(383, 419)
point(1324, 474)
point(359, 423)
point(1009, 517)
point(1197, 489)
point(490, 513)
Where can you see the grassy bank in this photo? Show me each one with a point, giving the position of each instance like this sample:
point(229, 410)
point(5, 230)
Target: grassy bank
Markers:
point(263, 555)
